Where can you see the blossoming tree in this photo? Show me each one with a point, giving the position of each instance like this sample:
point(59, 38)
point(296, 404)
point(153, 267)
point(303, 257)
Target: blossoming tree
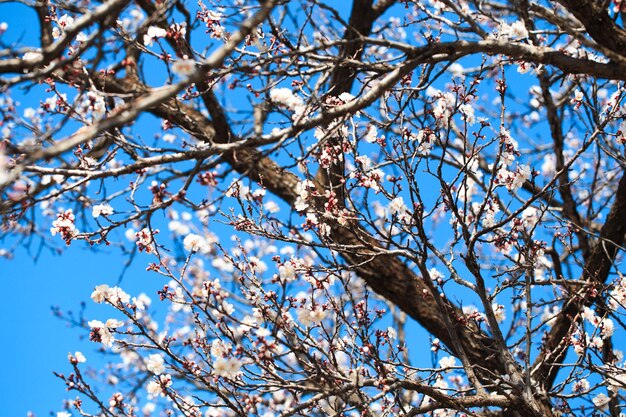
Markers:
point(371, 208)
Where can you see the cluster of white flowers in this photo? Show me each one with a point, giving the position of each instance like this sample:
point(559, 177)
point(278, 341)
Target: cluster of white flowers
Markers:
point(440, 384)
point(63, 22)
point(286, 97)
point(469, 187)
point(366, 176)
point(499, 312)
point(605, 325)
point(271, 207)
point(426, 140)
point(523, 67)
point(222, 365)
point(155, 364)
point(601, 401)
point(467, 110)
point(331, 155)
point(471, 313)
point(580, 342)
point(179, 223)
point(313, 222)
point(510, 148)
point(93, 103)
point(50, 104)
point(77, 357)
point(144, 239)
point(31, 114)
point(514, 180)
point(515, 31)
point(228, 368)
point(372, 134)
point(531, 217)
point(345, 97)
point(103, 209)
point(398, 209)
point(443, 107)
point(287, 271)
point(113, 295)
point(580, 386)
point(196, 243)
point(617, 375)
point(4, 168)
point(364, 162)
point(335, 129)
point(435, 274)
point(152, 34)
point(101, 332)
point(304, 190)
point(212, 20)
point(457, 70)
point(310, 316)
point(617, 296)
point(447, 362)
point(141, 302)
point(64, 225)
point(489, 213)
point(157, 387)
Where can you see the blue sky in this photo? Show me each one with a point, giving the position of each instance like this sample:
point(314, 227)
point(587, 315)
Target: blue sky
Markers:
point(35, 343)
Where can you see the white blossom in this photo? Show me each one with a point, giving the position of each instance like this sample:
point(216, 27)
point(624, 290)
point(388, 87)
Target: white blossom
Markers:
point(100, 293)
point(196, 243)
point(64, 225)
point(153, 33)
point(311, 316)
point(101, 332)
point(372, 134)
point(77, 357)
point(117, 295)
point(514, 31)
point(346, 97)
point(227, 367)
point(499, 312)
point(286, 97)
point(155, 364)
point(103, 209)
point(398, 208)
point(287, 271)
point(578, 95)
point(219, 348)
point(581, 385)
point(4, 168)
point(467, 110)
point(155, 387)
point(447, 362)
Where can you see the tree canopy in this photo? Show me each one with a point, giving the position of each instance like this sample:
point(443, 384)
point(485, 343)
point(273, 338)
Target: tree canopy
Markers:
point(355, 208)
